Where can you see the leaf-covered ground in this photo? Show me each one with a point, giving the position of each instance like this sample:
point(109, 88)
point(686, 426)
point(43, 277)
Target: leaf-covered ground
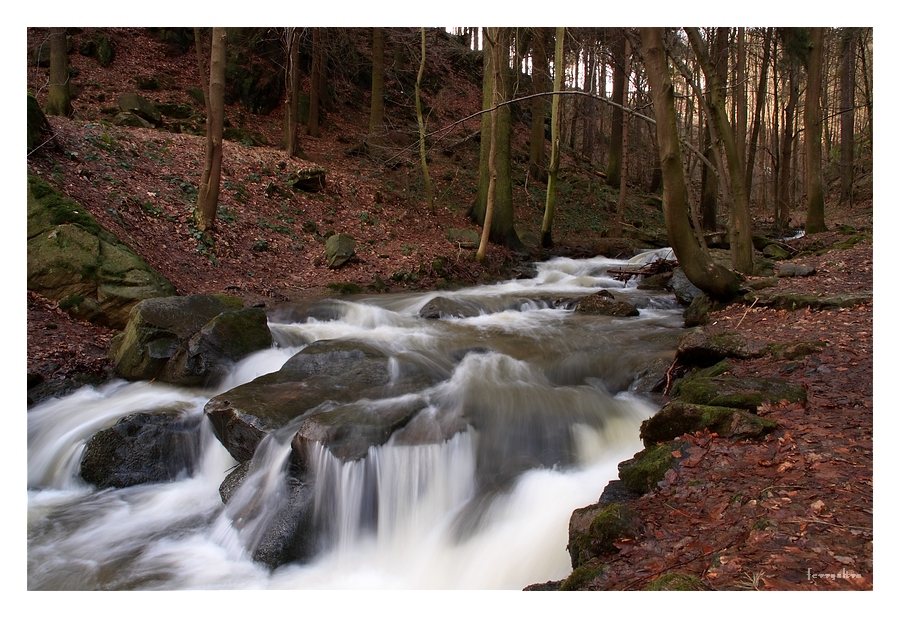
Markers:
point(793, 511)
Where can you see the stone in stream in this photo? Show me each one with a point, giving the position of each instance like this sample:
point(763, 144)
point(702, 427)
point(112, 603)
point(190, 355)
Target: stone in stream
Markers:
point(323, 381)
point(145, 447)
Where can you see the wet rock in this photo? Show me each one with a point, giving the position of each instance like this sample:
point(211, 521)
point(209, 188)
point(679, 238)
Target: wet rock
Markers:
point(604, 303)
point(321, 382)
point(187, 340)
point(443, 307)
point(684, 290)
point(146, 447)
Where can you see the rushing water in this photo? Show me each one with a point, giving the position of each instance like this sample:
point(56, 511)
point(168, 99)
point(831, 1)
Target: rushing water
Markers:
point(549, 392)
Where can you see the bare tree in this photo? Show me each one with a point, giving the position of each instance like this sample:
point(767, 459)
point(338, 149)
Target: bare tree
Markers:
point(429, 191)
point(375, 140)
point(208, 194)
point(292, 88)
point(812, 119)
point(550, 206)
point(710, 277)
point(58, 100)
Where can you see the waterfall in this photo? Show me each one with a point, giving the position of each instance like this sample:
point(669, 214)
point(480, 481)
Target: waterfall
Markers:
point(528, 415)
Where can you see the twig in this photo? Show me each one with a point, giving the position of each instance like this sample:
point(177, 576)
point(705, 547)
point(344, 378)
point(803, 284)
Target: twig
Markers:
point(746, 312)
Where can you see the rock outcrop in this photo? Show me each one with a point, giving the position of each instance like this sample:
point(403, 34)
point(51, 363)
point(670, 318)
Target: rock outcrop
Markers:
point(73, 260)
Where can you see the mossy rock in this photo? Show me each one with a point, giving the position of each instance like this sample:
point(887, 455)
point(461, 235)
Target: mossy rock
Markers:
point(344, 287)
point(793, 301)
point(38, 126)
point(794, 349)
point(642, 472)
point(677, 418)
point(581, 575)
point(594, 529)
point(604, 303)
point(734, 392)
point(704, 349)
point(676, 581)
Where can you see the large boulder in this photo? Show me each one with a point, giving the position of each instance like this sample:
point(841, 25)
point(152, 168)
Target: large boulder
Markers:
point(339, 249)
point(443, 307)
point(145, 447)
point(730, 391)
point(684, 290)
point(139, 106)
point(187, 340)
point(73, 260)
point(320, 390)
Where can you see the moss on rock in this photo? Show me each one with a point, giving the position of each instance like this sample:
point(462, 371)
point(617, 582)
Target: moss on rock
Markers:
point(734, 392)
point(676, 581)
point(642, 472)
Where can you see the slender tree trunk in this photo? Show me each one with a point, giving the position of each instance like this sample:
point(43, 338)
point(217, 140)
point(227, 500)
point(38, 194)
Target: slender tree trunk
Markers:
point(540, 79)
point(783, 203)
point(812, 119)
point(848, 88)
point(492, 35)
point(713, 279)
point(429, 192)
point(623, 181)
point(550, 206)
point(292, 75)
point(208, 194)
point(314, 83)
point(757, 116)
point(58, 100)
point(375, 140)
point(614, 170)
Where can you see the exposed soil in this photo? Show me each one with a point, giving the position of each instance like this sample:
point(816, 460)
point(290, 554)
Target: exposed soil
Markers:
point(761, 515)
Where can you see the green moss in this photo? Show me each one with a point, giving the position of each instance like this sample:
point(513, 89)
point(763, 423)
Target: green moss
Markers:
point(344, 287)
point(62, 210)
point(70, 301)
point(647, 468)
point(794, 350)
point(231, 302)
point(676, 581)
point(581, 576)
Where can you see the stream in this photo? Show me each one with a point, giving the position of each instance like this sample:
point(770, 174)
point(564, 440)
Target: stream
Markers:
point(552, 392)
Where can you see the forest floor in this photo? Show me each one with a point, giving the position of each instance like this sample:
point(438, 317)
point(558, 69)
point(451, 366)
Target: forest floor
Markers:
point(793, 512)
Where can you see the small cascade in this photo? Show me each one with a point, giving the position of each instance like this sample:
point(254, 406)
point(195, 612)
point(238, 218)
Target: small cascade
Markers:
point(525, 410)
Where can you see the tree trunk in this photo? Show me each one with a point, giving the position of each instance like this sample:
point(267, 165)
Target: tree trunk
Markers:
point(208, 194)
point(375, 141)
point(429, 192)
point(58, 100)
point(540, 79)
point(812, 119)
point(713, 279)
point(614, 169)
point(739, 229)
point(502, 228)
point(314, 83)
point(292, 86)
point(550, 206)
point(783, 203)
point(757, 117)
point(623, 180)
point(492, 35)
point(848, 87)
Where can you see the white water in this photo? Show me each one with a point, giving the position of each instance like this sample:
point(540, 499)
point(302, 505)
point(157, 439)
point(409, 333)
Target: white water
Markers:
point(434, 524)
